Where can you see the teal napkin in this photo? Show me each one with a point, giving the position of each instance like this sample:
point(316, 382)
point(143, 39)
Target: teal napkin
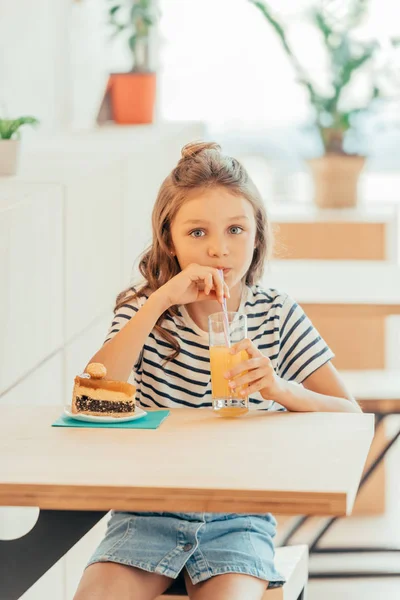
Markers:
point(152, 420)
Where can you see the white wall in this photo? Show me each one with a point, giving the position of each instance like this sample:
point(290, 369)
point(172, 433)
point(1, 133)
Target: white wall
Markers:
point(55, 56)
point(54, 60)
point(34, 69)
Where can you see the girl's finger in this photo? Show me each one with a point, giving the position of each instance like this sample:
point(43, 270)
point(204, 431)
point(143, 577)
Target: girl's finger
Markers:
point(248, 378)
point(209, 283)
point(252, 363)
point(255, 387)
point(247, 345)
point(203, 296)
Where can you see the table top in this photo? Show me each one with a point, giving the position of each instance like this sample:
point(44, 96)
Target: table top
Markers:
point(291, 463)
point(337, 282)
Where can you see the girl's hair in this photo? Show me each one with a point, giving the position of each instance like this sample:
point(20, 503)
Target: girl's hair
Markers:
point(201, 166)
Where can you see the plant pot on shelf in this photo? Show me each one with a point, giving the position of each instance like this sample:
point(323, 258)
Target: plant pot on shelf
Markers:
point(132, 97)
point(336, 180)
point(9, 155)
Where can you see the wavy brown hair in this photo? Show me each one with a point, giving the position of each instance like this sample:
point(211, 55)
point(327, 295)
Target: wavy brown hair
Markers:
point(201, 166)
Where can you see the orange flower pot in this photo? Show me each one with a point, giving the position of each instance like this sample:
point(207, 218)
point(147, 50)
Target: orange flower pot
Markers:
point(132, 97)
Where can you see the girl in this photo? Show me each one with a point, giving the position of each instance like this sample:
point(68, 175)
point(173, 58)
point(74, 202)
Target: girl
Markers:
point(208, 216)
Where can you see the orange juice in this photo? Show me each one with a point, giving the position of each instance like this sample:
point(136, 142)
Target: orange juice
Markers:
point(226, 401)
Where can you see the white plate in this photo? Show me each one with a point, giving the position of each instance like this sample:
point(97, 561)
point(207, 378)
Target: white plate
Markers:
point(139, 413)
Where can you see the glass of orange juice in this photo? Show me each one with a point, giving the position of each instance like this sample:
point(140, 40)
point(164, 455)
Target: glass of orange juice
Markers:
point(225, 330)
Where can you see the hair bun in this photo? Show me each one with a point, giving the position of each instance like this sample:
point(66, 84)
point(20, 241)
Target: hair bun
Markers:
point(194, 148)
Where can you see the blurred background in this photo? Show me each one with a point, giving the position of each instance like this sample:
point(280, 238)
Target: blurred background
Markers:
point(97, 97)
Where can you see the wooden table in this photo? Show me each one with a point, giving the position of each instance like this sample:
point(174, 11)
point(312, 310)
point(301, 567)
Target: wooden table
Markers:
point(288, 462)
point(193, 462)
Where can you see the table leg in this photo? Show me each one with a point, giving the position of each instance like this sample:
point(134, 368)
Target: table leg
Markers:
point(313, 546)
point(24, 560)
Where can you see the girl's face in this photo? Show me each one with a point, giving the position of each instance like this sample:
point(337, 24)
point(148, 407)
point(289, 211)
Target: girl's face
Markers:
point(217, 229)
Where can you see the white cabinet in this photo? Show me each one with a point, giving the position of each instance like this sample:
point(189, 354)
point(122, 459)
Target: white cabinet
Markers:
point(92, 193)
point(43, 386)
point(31, 271)
point(93, 250)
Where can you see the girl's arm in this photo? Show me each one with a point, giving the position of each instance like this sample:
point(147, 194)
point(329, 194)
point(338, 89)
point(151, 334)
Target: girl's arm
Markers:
point(194, 283)
point(121, 352)
point(322, 391)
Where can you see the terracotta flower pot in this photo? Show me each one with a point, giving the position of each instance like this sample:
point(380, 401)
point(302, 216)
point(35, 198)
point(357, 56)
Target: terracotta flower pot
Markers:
point(132, 97)
point(9, 155)
point(336, 180)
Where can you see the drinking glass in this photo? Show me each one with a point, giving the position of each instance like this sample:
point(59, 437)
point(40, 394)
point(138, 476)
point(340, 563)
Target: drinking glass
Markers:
point(225, 330)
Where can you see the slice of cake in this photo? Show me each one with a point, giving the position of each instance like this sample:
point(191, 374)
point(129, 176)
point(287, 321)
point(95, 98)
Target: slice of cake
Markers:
point(93, 395)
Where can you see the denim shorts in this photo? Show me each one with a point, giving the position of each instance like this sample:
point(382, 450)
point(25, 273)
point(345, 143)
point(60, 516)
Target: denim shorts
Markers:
point(206, 544)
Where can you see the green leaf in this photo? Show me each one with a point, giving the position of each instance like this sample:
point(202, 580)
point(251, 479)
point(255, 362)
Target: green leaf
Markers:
point(132, 42)
point(376, 93)
point(137, 12)
point(114, 9)
point(9, 127)
point(322, 24)
point(149, 21)
point(4, 130)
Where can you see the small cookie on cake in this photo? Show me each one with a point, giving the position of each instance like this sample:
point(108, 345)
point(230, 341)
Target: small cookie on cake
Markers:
point(99, 397)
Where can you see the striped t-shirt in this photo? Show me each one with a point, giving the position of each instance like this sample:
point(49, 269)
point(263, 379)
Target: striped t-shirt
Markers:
point(275, 324)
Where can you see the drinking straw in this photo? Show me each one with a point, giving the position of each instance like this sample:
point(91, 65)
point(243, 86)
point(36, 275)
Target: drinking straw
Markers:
point(225, 315)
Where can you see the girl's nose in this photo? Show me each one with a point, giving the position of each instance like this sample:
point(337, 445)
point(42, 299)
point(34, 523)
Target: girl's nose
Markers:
point(218, 248)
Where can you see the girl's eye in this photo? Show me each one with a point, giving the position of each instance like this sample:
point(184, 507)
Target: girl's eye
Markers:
point(196, 232)
point(237, 228)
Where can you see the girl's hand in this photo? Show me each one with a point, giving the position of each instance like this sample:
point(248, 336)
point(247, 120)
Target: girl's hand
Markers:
point(260, 376)
point(193, 284)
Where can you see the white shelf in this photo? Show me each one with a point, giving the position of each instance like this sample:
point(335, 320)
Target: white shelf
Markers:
point(336, 282)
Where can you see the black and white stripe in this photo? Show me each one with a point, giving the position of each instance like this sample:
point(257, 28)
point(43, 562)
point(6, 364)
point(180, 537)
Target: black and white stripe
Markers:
point(276, 324)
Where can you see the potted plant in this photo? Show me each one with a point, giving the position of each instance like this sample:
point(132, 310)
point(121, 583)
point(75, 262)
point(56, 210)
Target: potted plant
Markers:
point(10, 143)
point(337, 171)
point(133, 93)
